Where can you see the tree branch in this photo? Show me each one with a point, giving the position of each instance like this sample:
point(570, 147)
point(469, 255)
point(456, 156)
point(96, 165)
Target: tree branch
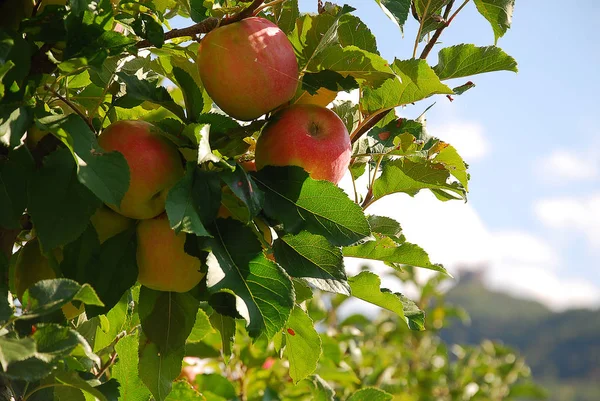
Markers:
point(439, 31)
point(206, 25)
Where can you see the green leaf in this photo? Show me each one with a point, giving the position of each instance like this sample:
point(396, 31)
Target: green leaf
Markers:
point(285, 14)
point(15, 349)
point(452, 161)
point(328, 79)
point(352, 31)
point(459, 90)
point(390, 246)
point(364, 66)
point(396, 10)
point(59, 205)
point(416, 81)
point(244, 187)
point(183, 391)
point(14, 122)
point(225, 325)
point(192, 95)
point(467, 59)
point(54, 343)
point(302, 345)
point(198, 11)
point(88, 296)
point(216, 384)
point(194, 201)
point(167, 319)
point(15, 172)
point(110, 268)
point(237, 265)
point(370, 394)
point(312, 258)
point(139, 91)
point(72, 379)
point(105, 174)
point(430, 12)
point(158, 369)
point(6, 309)
point(47, 296)
point(498, 13)
point(146, 27)
point(408, 176)
point(126, 370)
point(366, 286)
point(201, 328)
point(319, 207)
point(313, 34)
point(321, 390)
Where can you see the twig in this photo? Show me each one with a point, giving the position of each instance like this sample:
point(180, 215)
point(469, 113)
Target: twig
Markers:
point(108, 364)
point(367, 124)
point(267, 5)
point(439, 31)
point(421, 28)
point(369, 196)
point(206, 25)
point(71, 105)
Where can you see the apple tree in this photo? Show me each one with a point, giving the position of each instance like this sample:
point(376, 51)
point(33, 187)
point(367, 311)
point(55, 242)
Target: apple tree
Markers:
point(167, 192)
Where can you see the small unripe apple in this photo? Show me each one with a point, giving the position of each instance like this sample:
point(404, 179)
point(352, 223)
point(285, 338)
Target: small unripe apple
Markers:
point(248, 68)
point(308, 136)
point(162, 262)
point(154, 166)
point(108, 223)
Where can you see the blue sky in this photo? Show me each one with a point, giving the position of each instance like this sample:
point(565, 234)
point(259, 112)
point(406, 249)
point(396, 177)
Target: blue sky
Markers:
point(532, 141)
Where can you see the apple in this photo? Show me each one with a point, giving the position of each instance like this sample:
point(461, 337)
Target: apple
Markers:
point(108, 223)
point(309, 136)
point(162, 262)
point(248, 68)
point(154, 166)
point(32, 266)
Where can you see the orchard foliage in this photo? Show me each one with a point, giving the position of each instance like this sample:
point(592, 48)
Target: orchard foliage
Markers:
point(88, 330)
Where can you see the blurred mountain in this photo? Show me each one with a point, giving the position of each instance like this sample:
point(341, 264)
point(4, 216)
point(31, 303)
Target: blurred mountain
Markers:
point(562, 348)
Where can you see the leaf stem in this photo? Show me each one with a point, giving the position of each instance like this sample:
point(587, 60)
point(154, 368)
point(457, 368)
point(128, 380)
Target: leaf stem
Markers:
point(421, 23)
point(206, 25)
point(267, 5)
point(72, 106)
point(368, 199)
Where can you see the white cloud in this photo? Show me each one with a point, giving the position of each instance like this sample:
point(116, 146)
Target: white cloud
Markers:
point(563, 166)
point(466, 136)
point(580, 214)
point(454, 234)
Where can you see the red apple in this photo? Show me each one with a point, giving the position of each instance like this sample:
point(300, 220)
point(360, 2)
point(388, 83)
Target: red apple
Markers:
point(309, 136)
point(248, 68)
point(162, 262)
point(154, 166)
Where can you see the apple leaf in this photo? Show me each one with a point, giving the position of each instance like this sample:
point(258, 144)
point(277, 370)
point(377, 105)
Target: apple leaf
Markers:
point(167, 319)
point(302, 345)
point(467, 59)
point(328, 79)
point(15, 172)
point(411, 176)
point(321, 390)
point(15, 349)
point(352, 31)
point(397, 137)
point(370, 394)
point(416, 81)
point(59, 205)
point(14, 122)
point(146, 27)
point(225, 325)
point(198, 11)
point(47, 296)
point(396, 10)
point(285, 15)
point(352, 61)
point(110, 268)
point(194, 201)
point(183, 391)
point(319, 207)
point(459, 90)
point(244, 187)
point(201, 327)
point(216, 385)
point(192, 95)
point(498, 13)
point(105, 174)
point(139, 91)
point(237, 265)
point(73, 380)
point(365, 286)
point(126, 370)
point(312, 258)
point(53, 343)
point(446, 155)
point(429, 12)
point(6, 307)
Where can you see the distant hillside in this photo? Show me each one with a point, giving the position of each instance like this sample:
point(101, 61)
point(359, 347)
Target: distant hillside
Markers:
point(563, 347)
